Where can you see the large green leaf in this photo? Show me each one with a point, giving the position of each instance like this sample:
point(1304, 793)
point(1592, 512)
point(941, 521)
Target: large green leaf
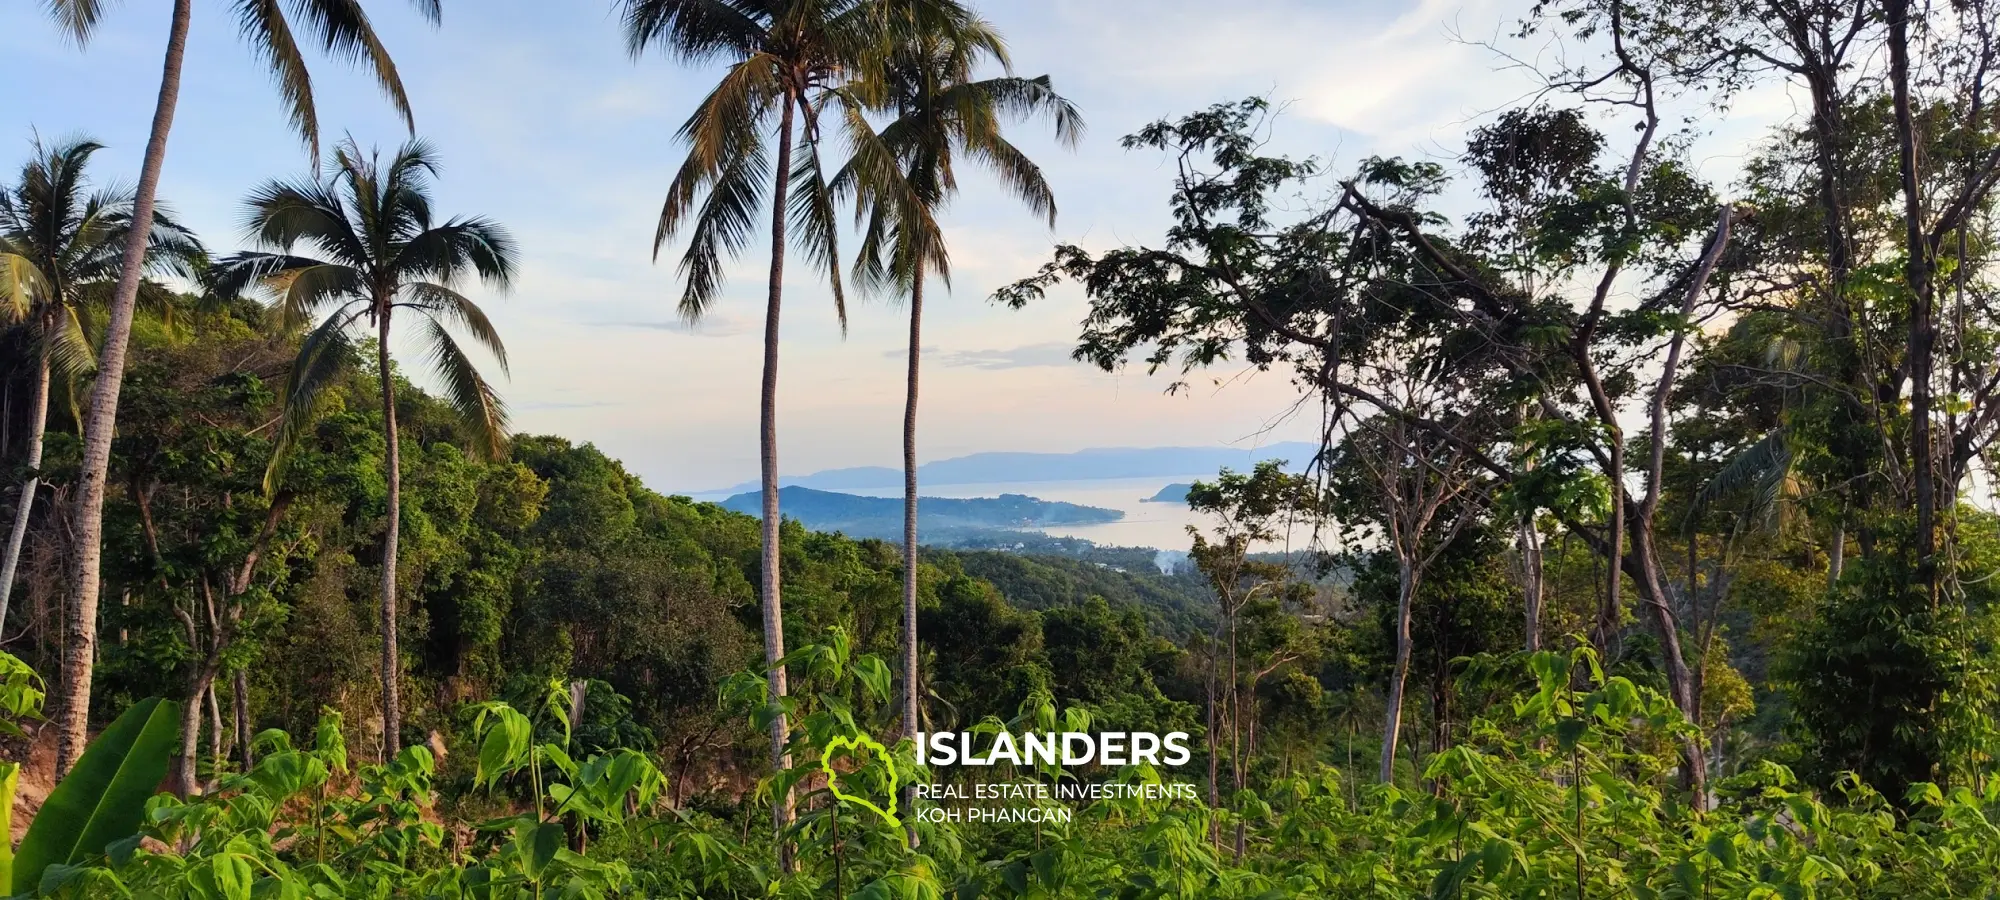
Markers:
point(104, 796)
point(10, 778)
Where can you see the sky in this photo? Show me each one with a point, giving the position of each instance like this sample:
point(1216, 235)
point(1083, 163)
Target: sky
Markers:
point(548, 125)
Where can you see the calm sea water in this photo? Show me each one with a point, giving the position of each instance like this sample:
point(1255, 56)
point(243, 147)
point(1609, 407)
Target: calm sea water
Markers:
point(1159, 525)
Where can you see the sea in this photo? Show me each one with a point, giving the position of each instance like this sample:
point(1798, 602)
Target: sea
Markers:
point(1162, 526)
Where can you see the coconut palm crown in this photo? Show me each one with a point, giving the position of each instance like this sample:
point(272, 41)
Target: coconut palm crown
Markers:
point(374, 249)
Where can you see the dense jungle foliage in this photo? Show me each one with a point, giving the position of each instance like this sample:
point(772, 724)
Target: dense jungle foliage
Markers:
point(1653, 544)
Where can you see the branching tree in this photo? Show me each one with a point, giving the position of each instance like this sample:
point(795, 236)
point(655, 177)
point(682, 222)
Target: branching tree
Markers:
point(1250, 511)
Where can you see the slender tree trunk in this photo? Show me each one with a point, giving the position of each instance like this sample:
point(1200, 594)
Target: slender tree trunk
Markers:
point(912, 715)
point(1529, 544)
point(101, 423)
point(38, 412)
point(774, 615)
point(1680, 679)
point(1605, 634)
point(218, 742)
point(392, 709)
point(240, 687)
point(1214, 744)
point(1406, 593)
point(1836, 552)
point(189, 783)
point(1236, 728)
point(1917, 271)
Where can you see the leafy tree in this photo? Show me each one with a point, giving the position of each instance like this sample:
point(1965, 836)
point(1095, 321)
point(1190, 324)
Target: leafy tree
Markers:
point(380, 250)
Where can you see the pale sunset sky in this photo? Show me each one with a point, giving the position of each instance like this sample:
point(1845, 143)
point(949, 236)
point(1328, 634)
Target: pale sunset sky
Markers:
point(546, 124)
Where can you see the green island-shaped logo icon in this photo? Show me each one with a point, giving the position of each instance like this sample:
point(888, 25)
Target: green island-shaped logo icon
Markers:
point(861, 742)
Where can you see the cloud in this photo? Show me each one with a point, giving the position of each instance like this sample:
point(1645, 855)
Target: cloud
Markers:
point(564, 405)
point(1023, 357)
point(712, 325)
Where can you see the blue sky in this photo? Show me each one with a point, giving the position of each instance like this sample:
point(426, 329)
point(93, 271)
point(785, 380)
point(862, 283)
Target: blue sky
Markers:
point(546, 124)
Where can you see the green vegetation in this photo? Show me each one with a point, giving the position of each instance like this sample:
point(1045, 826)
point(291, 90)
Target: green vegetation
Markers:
point(1650, 549)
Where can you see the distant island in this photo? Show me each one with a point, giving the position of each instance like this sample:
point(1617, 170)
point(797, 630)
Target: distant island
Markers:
point(1173, 493)
point(940, 520)
point(1082, 465)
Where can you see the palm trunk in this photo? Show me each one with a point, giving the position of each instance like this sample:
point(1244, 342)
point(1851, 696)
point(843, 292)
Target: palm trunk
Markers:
point(38, 414)
point(912, 721)
point(1405, 598)
point(392, 711)
point(80, 653)
point(774, 615)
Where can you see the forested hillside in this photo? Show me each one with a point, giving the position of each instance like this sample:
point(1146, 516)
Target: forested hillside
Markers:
point(552, 563)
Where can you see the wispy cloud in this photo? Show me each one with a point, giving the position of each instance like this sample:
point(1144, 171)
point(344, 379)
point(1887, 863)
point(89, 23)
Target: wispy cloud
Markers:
point(715, 325)
point(1054, 353)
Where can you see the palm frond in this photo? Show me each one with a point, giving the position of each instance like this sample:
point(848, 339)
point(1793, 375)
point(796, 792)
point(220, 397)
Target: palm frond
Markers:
point(448, 252)
point(21, 282)
point(77, 18)
point(263, 26)
point(725, 127)
point(406, 188)
point(323, 355)
point(466, 391)
point(722, 229)
point(1018, 173)
point(1764, 467)
point(438, 300)
point(284, 214)
point(300, 286)
point(814, 220)
point(343, 31)
point(68, 346)
point(690, 30)
point(1027, 99)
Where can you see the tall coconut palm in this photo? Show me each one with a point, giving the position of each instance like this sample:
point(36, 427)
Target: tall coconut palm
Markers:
point(785, 58)
point(61, 248)
point(340, 28)
point(378, 251)
point(904, 175)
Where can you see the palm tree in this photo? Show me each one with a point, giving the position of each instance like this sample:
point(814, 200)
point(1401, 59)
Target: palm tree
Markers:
point(340, 28)
point(61, 248)
point(379, 251)
point(786, 59)
point(904, 175)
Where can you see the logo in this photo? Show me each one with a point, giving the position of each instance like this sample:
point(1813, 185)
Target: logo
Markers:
point(859, 743)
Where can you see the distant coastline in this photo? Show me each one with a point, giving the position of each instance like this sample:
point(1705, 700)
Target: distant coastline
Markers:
point(940, 520)
point(1173, 493)
point(1012, 467)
